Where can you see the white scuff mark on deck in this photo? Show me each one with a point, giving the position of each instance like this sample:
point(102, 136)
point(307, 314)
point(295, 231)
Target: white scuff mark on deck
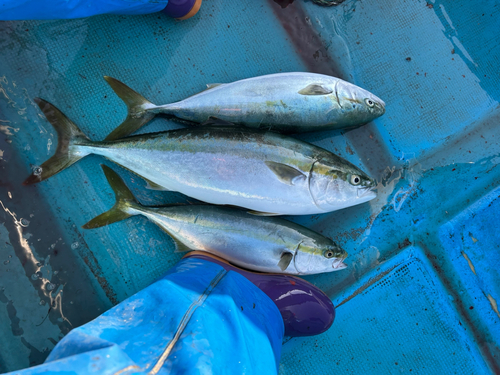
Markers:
point(470, 262)
point(447, 17)
point(493, 303)
point(472, 238)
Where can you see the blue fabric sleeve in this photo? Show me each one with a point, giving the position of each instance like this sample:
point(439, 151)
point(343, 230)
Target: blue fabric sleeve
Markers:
point(64, 9)
point(198, 319)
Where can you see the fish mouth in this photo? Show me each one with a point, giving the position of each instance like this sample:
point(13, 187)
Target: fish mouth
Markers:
point(367, 192)
point(379, 101)
point(382, 109)
point(339, 264)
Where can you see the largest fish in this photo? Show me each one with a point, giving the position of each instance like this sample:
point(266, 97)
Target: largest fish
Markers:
point(284, 102)
point(263, 171)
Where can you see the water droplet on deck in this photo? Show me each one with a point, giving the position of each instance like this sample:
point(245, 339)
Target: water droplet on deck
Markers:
point(24, 222)
point(34, 277)
point(6, 262)
point(74, 245)
point(42, 302)
point(50, 286)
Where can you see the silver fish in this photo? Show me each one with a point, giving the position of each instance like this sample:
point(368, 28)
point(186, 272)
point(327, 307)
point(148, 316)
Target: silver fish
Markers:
point(266, 172)
point(266, 244)
point(284, 102)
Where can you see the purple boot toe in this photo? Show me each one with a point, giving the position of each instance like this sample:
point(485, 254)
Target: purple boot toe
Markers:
point(305, 309)
point(182, 9)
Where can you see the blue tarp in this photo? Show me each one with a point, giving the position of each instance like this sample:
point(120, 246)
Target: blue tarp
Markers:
point(65, 9)
point(199, 318)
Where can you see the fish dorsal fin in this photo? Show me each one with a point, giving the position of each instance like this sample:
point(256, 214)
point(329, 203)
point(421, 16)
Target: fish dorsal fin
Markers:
point(212, 85)
point(153, 185)
point(286, 174)
point(261, 213)
point(214, 121)
point(285, 260)
point(315, 89)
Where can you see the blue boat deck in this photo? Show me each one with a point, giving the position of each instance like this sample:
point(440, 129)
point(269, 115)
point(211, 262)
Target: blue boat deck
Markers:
point(421, 291)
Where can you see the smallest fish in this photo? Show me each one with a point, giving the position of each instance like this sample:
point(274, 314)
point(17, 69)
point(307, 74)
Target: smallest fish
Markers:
point(266, 244)
point(285, 103)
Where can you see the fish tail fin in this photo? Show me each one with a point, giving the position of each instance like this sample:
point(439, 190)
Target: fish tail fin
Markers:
point(138, 106)
point(125, 200)
point(67, 133)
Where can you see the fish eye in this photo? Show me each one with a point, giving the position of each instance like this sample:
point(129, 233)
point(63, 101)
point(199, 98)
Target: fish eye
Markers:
point(369, 102)
point(355, 180)
point(329, 254)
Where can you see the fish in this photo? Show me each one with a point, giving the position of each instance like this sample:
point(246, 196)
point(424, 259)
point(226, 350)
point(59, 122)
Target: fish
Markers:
point(265, 244)
point(285, 102)
point(265, 172)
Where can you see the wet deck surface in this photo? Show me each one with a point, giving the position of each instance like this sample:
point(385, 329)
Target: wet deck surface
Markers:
point(421, 289)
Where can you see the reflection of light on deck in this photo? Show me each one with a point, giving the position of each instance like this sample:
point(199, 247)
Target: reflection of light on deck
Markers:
point(56, 300)
point(8, 130)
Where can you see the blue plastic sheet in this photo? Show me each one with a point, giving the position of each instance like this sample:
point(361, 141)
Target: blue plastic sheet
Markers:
point(199, 318)
point(65, 9)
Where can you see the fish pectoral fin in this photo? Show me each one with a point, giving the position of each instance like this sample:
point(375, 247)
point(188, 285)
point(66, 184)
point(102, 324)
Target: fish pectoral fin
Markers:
point(315, 89)
point(153, 185)
point(285, 260)
point(286, 174)
point(261, 213)
point(214, 121)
